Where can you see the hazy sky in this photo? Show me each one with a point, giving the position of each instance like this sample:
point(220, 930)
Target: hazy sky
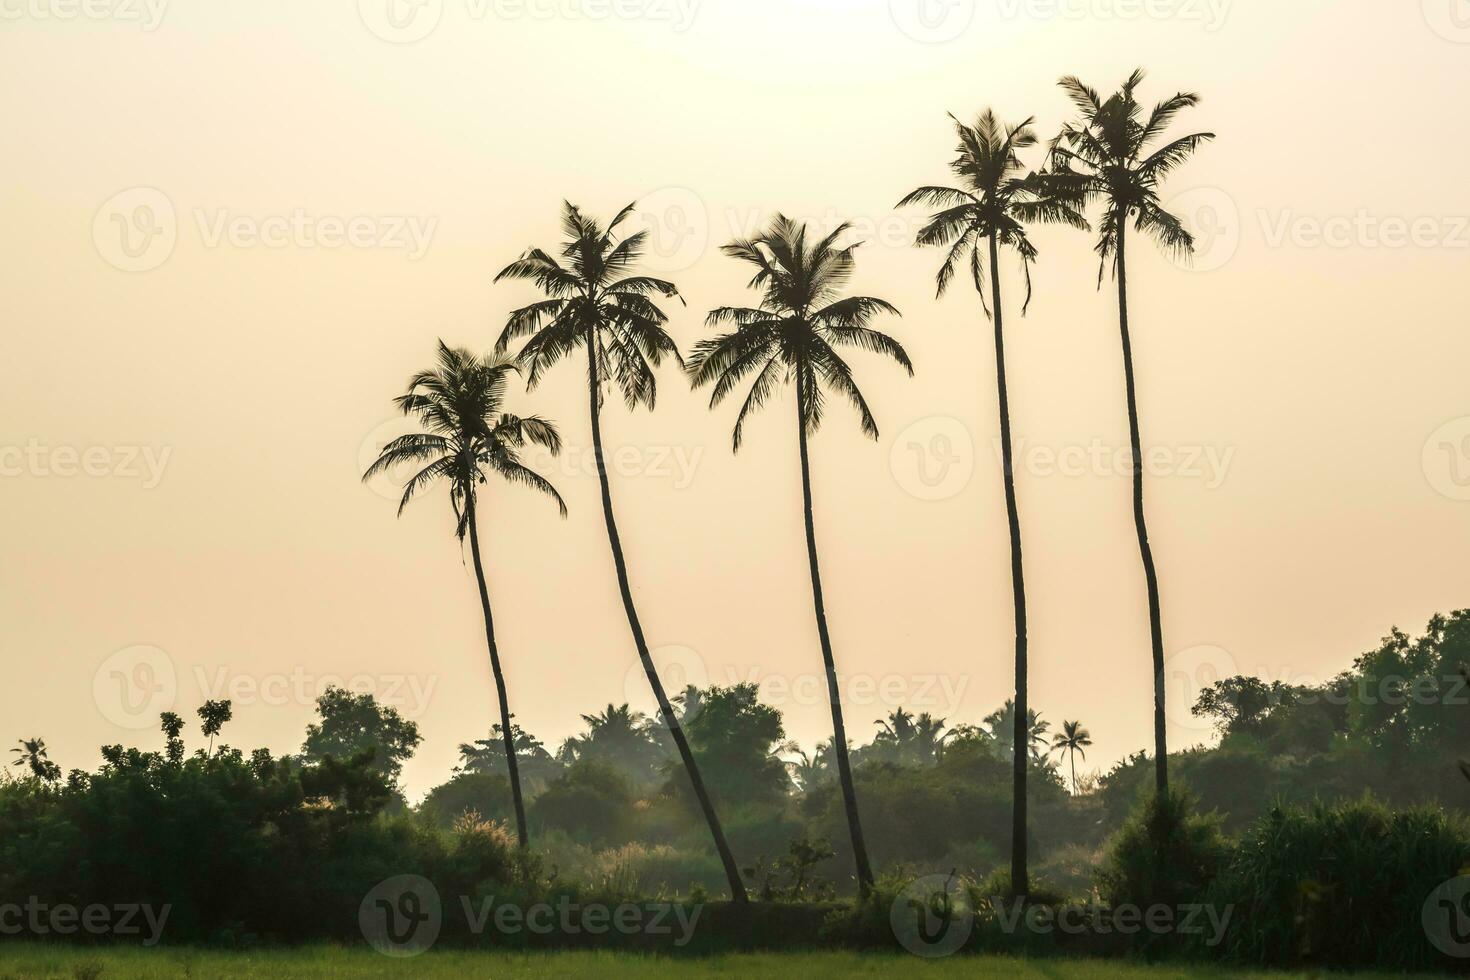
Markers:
point(231, 231)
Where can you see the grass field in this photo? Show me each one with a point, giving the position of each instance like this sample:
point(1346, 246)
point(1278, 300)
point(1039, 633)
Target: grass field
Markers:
point(30, 962)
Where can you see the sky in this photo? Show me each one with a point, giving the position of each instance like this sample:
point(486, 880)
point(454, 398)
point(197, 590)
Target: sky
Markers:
point(230, 232)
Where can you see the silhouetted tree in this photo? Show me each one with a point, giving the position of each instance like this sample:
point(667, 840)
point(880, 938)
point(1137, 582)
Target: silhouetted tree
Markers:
point(352, 724)
point(990, 209)
point(467, 433)
point(791, 338)
point(1072, 741)
point(1109, 155)
point(595, 302)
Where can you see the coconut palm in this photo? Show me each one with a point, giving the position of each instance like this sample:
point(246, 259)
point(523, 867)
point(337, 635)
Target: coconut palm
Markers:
point(1002, 728)
point(32, 755)
point(909, 739)
point(1071, 741)
point(1111, 154)
point(622, 738)
point(467, 435)
point(594, 301)
point(792, 337)
point(990, 209)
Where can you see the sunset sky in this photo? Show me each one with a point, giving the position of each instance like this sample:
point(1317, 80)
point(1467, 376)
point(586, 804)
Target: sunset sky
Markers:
point(229, 233)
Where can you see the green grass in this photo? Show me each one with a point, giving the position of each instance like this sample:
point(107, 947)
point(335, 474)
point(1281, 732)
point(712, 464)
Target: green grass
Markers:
point(32, 962)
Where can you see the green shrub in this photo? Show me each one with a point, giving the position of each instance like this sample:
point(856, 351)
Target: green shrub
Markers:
point(1340, 886)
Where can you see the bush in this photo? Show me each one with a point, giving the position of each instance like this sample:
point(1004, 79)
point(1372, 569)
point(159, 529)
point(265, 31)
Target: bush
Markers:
point(591, 801)
point(1340, 886)
point(1164, 854)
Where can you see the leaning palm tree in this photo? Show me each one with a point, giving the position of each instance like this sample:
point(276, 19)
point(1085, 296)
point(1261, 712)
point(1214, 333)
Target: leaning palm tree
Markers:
point(466, 435)
point(1071, 741)
point(792, 338)
point(595, 301)
point(1110, 155)
point(990, 210)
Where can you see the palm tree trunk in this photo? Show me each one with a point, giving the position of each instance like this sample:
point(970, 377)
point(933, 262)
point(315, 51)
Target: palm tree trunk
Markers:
point(505, 729)
point(1020, 879)
point(839, 730)
point(1073, 755)
point(666, 710)
point(1155, 622)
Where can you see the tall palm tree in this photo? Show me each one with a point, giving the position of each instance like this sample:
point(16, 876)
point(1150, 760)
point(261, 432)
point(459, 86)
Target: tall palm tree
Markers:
point(467, 434)
point(990, 210)
point(595, 301)
point(33, 755)
point(1072, 740)
point(1111, 154)
point(791, 337)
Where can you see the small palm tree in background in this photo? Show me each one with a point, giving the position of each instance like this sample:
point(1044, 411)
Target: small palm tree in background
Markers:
point(990, 211)
point(1110, 155)
point(595, 302)
point(467, 435)
point(1071, 741)
point(792, 338)
point(32, 755)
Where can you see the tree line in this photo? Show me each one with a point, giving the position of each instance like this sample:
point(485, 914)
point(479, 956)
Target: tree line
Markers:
point(1111, 159)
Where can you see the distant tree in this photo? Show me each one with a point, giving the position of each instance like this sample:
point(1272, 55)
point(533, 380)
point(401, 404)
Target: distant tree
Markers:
point(1001, 727)
point(351, 725)
point(909, 739)
point(591, 801)
point(737, 740)
point(173, 727)
point(32, 753)
point(467, 435)
point(535, 764)
point(1072, 741)
point(793, 338)
point(1110, 154)
point(596, 301)
point(212, 718)
point(622, 738)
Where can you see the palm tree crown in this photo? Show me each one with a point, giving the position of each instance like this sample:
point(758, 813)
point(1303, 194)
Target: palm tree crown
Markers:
point(794, 333)
point(995, 197)
point(1109, 154)
point(459, 405)
point(593, 297)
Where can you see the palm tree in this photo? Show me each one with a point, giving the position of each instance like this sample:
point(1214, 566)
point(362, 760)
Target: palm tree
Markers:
point(1110, 155)
point(467, 433)
point(1072, 740)
point(32, 755)
point(596, 302)
point(1002, 727)
point(911, 739)
point(990, 210)
point(622, 738)
point(791, 337)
